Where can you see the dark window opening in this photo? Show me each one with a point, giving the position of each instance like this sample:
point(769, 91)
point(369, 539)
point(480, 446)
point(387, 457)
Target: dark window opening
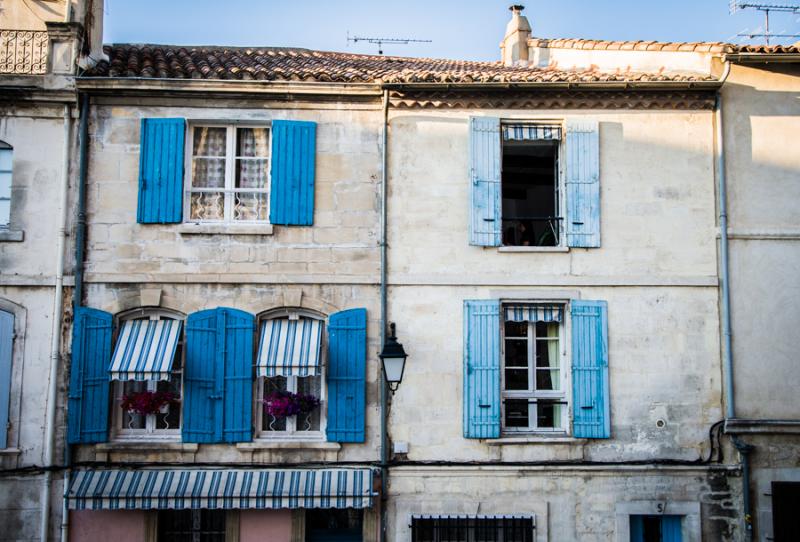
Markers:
point(334, 525)
point(785, 519)
point(645, 528)
point(531, 210)
point(472, 529)
point(191, 526)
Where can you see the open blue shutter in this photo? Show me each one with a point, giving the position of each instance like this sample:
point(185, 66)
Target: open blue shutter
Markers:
point(238, 368)
point(485, 218)
point(161, 171)
point(6, 348)
point(583, 184)
point(292, 172)
point(482, 369)
point(637, 528)
point(347, 363)
point(590, 390)
point(203, 385)
point(87, 416)
point(671, 529)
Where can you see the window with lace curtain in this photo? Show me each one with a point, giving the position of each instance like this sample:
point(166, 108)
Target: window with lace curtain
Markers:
point(228, 179)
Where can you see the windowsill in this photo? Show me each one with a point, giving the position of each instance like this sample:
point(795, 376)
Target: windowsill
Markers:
point(532, 249)
point(10, 451)
point(11, 236)
point(194, 228)
point(265, 444)
point(535, 439)
point(146, 445)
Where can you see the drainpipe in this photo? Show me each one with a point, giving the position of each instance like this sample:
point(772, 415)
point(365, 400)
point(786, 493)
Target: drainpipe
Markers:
point(55, 338)
point(744, 452)
point(384, 391)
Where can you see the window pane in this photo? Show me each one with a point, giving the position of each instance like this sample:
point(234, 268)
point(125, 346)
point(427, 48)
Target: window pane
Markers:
point(207, 206)
point(171, 419)
point(132, 420)
point(310, 385)
point(517, 413)
point(250, 207)
point(516, 329)
point(547, 329)
point(208, 173)
point(209, 141)
point(271, 385)
point(252, 142)
point(5, 185)
point(251, 173)
point(548, 415)
point(547, 380)
point(516, 353)
point(5, 212)
point(517, 379)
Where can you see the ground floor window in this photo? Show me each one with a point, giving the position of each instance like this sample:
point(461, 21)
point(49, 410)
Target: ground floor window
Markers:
point(646, 528)
point(191, 526)
point(472, 529)
point(785, 503)
point(341, 525)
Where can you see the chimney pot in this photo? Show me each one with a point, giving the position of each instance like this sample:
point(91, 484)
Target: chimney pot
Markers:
point(514, 48)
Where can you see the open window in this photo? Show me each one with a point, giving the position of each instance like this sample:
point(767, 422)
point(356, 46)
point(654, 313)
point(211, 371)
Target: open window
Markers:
point(6, 158)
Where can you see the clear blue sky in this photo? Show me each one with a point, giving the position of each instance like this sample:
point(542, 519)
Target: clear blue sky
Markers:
point(465, 29)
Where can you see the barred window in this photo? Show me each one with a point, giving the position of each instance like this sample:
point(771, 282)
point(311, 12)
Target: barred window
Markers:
point(472, 528)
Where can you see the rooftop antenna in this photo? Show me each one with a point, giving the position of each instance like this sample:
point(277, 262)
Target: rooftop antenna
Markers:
point(380, 41)
point(736, 5)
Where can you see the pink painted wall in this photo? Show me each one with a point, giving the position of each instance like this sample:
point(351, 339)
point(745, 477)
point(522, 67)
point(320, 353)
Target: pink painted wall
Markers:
point(265, 526)
point(105, 525)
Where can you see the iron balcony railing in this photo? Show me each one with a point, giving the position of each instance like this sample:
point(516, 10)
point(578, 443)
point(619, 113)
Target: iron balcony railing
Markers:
point(23, 52)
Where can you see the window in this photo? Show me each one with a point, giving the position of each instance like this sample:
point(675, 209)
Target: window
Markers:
point(290, 361)
point(166, 423)
point(6, 158)
point(472, 528)
point(655, 528)
point(6, 355)
point(530, 185)
point(785, 503)
point(229, 174)
point(325, 525)
point(191, 525)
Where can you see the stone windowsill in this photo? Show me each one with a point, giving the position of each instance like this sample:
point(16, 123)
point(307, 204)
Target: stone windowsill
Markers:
point(10, 451)
point(146, 446)
point(534, 439)
point(533, 249)
point(289, 445)
point(224, 229)
point(12, 236)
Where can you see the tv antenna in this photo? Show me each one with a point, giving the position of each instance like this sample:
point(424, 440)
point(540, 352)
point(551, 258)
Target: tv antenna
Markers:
point(736, 5)
point(380, 41)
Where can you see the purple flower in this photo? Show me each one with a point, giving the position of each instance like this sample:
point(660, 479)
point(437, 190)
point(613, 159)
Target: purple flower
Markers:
point(282, 404)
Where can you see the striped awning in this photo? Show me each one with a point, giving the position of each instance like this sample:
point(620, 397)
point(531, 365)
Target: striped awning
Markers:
point(145, 350)
point(289, 347)
point(533, 313)
point(220, 489)
point(531, 132)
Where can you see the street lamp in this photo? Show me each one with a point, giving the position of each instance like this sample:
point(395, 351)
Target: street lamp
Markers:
point(393, 359)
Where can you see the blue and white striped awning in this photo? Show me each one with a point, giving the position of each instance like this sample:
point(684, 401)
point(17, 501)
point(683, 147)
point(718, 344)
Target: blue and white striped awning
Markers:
point(533, 313)
point(289, 347)
point(531, 132)
point(220, 489)
point(145, 350)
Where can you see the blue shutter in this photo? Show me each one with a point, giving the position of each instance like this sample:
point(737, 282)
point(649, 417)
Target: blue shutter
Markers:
point(6, 349)
point(482, 369)
point(87, 416)
point(161, 171)
point(238, 369)
point(583, 184)
point(590, 390)
point(671, 529)
point(292, 173)
point(347, 362)
point(485, 220)
point(637, 528)
point(203, 385)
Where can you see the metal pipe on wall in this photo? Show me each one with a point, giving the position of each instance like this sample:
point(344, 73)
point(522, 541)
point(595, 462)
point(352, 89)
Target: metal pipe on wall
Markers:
point(384, 395)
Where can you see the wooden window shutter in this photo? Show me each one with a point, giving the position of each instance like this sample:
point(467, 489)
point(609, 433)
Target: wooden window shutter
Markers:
point(485, 217)
point(6, 351)
point(237, 358)
point(87, 415)
point(590, 387)
point(161, 171)
point(481, 402)
point(203, 386)
point(347, 361)
point(292, 173)
point(583, 184)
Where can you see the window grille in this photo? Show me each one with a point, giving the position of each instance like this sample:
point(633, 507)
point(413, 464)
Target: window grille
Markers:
point(472, 528)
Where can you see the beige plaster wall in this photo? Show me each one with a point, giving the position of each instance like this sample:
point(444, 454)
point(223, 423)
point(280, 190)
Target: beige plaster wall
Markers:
point(30, 14)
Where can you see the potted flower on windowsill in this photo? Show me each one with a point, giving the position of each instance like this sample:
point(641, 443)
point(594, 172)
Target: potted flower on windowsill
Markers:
point(282, 404)
point(147, 402)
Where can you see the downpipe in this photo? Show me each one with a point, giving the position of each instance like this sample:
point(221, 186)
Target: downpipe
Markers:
point(745, 450)
point(384, 393)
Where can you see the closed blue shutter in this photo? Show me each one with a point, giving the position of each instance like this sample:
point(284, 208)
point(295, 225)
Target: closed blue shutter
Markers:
point(485, 220)
point(238, 368)
point(671, 529)
point(292, 173)
point(161, 171)
point(87, 416)
point(6, 348)
point(347, 362)
point(203, 386)
point(482, 369)
point(637, 528)
point(590, 390)
point(583, 184)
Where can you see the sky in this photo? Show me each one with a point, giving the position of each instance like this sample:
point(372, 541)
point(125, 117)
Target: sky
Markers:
point(465, 29)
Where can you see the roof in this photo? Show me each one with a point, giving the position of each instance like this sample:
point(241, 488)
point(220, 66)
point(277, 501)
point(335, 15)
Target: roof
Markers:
point(667, 46)
point(285, 64)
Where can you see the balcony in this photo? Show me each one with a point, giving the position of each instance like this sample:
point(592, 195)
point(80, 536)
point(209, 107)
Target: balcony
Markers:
point(23, 52)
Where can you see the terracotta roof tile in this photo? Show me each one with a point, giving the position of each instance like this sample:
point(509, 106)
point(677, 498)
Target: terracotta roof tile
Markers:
point(282, 64)
point(697, 47)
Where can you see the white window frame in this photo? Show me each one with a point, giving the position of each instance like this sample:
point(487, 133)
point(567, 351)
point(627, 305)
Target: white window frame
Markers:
point(565, 370)
point(230, 172)
point(561, 190)
point(150, 431)
point(6, 150)
point(291, 433)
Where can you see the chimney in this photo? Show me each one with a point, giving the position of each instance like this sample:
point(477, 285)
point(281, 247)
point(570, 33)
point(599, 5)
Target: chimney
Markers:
point(514, 48)
point(94, 29)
